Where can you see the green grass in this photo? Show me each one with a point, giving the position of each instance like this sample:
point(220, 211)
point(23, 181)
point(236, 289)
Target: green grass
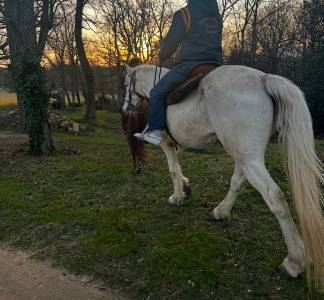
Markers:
point(87, 212)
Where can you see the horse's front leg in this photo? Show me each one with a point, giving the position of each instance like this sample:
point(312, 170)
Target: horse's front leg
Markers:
point(180, 183)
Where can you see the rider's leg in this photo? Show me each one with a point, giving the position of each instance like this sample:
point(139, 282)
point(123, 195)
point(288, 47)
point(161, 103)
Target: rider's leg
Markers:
point(157, 111)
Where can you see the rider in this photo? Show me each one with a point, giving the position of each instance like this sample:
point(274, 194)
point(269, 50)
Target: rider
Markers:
point(197, 29)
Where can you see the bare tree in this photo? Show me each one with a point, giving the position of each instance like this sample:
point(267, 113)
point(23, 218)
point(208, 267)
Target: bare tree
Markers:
point(277, 33)
point(28, 23)
point(86, 68)
point(226, 8)
point(134, 28)
point(243, 14)
point(131, 29)
point(62, 53)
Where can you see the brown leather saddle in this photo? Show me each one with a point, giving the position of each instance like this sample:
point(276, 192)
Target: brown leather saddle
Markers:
point(195, 77)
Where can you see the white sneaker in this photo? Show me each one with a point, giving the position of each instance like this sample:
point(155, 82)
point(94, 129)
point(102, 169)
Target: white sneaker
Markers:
point(152, 137)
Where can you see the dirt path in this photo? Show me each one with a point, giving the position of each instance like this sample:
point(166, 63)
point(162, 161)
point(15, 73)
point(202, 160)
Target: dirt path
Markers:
point(12, 145)
point(22, 278)
point(13, 139)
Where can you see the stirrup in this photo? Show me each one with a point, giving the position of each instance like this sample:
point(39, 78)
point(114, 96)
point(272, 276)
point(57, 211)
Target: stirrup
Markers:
point(140, 136)
point(145, 129)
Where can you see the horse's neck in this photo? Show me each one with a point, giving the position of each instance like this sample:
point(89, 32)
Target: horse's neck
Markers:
point(154, 74)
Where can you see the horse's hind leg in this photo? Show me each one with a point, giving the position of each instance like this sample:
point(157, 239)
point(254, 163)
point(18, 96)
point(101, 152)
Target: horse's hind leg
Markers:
point(258, 176)
point(180, 183)
point(223, 210)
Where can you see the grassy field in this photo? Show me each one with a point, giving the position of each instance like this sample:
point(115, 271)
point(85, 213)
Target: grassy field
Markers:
point(84, 209)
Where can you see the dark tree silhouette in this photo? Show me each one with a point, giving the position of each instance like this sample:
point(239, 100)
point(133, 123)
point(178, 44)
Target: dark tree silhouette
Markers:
point(85, 65)
point(27, 24)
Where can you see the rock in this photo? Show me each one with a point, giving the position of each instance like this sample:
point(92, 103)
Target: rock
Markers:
point(56, 121)
point(13, 113)
point(65, 125)
point(83, 127)
point(76, 127)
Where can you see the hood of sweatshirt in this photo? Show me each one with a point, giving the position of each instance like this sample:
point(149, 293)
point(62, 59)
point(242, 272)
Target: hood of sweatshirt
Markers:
point(204, 7)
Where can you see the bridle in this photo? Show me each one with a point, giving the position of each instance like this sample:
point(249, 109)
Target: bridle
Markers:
point(128, 105)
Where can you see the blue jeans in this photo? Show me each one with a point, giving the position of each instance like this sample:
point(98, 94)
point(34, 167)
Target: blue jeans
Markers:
point(157, 111)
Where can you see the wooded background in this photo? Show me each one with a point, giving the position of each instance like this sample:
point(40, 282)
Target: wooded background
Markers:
point(81, 45)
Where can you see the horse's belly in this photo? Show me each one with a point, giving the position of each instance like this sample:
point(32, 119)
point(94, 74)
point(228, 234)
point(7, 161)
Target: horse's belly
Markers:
point(189, 125)
point(194, 137)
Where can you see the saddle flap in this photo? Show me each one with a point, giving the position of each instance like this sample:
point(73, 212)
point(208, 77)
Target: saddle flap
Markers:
point(202, 69)
point(185, 89)
point(195, 77)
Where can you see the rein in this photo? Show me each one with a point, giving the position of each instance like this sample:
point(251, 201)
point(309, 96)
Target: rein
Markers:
point(156, 68)
point(131, 93)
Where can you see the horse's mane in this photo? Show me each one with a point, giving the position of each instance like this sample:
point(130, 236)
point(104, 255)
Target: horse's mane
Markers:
point(135, 122)
point(147, 67)
point(144, 67)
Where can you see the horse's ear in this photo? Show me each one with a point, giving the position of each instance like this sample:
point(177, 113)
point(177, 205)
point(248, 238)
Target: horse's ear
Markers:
point(128, 69)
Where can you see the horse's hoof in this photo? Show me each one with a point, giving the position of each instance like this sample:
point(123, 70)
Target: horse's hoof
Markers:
point(290, 268)
point(173, 200)
point(187, 190)
point(218, 215)
point(137, 172)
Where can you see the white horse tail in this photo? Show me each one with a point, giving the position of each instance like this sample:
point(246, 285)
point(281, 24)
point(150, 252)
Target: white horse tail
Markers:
point(305, 171)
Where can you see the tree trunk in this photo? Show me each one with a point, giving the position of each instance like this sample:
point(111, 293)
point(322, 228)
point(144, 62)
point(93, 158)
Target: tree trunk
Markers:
point(61, 71)
point(77, 86)
point(30, 82)
point(11, 15)
point(254, 34)
point(243, 47)
point(86, 68)
point(78, 97)
point(72, 86)
point(21, 126)
point(31, 85)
